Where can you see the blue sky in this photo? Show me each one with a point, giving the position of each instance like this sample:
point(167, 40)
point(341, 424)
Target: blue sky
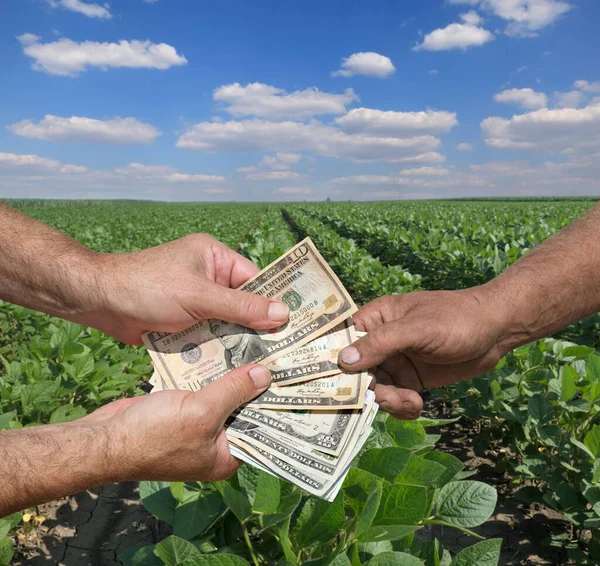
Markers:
point(232, 100)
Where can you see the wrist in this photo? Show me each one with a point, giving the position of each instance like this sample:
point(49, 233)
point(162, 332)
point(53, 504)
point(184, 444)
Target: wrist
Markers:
point(511, 322)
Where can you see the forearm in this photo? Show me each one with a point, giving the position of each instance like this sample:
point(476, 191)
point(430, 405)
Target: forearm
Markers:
point(551, 287)
point(40, 464)
point(42, 268)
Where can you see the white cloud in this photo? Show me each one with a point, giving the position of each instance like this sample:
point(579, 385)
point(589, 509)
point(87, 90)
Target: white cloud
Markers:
point(571, 99)
point(262, 135)
point(280, 161)
point(117, 131)
point(526, 17)
point(434, 72)
point(524, 97)
point(293, 191)
point(265, 101)
point(464, 147)
point(425, 171)
point(565, 129)
point(587, 86)
point(429, 157)
point(139, 170)
point(194, 178)
point(37, 162)
point(368, 64)
point(217, 191)
point(457, 36)
point(396, 124)
point(69, 58)
point(90, 10)
point(273, 176)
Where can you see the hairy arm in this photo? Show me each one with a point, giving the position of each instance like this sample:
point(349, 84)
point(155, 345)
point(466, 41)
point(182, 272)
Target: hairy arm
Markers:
point(40, 464)
point(42, 268)
point(553, 286)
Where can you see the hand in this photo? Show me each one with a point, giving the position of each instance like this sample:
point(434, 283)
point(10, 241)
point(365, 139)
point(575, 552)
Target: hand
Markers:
point(171, 286)
point(177, 435)
point(423, 340)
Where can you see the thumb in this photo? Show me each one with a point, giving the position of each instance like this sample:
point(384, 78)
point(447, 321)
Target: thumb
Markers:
point(234, 389)
point(378, 345)
point(240, 307)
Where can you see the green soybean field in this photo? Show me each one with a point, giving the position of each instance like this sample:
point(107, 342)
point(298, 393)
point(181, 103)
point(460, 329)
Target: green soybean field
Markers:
point(418, 493)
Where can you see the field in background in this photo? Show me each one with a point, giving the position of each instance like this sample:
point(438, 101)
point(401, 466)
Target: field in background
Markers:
point(531, 411)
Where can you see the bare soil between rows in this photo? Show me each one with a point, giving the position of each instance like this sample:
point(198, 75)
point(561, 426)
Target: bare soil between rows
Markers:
point(93, 527)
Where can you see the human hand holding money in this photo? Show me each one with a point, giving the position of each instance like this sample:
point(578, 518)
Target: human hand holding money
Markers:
point(312, 448)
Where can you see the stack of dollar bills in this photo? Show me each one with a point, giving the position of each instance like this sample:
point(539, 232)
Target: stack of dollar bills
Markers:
point(314, 418)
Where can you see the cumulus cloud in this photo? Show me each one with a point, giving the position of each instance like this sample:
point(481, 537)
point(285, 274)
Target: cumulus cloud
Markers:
point(565, 129)
point(69, 58)
point(90, 10)
point(426, 171)
point(194, 178)
point(266, 101)
point(116, 131)
point(587, 86)
point(463, 35)
point(524, 97)
point(280, 161)
point(368, 64)
point(293, 191)
point(571, 99)
point(37, 162)
point(273, 176)
point(526, 17)
point(315, 137)
point(396, 124)
point(464, 146)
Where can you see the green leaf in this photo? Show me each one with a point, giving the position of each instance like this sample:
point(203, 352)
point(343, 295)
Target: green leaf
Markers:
point(174, 550)
point(568, 377)
point(6, 551)
point(395, 559)
point(592, 367)
point(268, 494)
point(389, 532)
point(287, 506)
point(485, 553)
point(337, 560)
point(157, 498)
point(368, 513)
point(320, 521)
point(6, 418)
point(451, 464)
point(178, 490)
point(358, 485)
point(194, 516)
point(236, 499)
point(582, 446)
point(215, 560)
point(549, 434)
point(592, 441)
point(420, 471)
point(140, 555)
point(67, 413)
point(402, 505)
point(424, 421)
point(385, 462)
point(406, 433)
point(466, 503)
point(10, 522)
point(540, 409)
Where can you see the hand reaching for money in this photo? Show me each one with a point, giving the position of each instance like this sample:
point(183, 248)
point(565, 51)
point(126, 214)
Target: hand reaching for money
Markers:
point(176, 435)
point(169, 287)
point(423, 340)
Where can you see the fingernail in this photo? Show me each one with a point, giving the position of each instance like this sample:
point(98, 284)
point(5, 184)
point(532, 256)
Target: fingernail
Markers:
point(408, 406)
point(350, 355)
point(278, 311)
point(261, 376)
point(385, 406)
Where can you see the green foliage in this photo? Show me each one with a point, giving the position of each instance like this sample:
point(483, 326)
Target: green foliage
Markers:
point(257, 519)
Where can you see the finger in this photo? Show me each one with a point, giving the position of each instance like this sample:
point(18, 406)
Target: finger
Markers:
point(239, 307)
point(381, 311)
point(403, 404)
point(225, 464)
point(243, 269)
point(380, 343)
point(234, 389)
